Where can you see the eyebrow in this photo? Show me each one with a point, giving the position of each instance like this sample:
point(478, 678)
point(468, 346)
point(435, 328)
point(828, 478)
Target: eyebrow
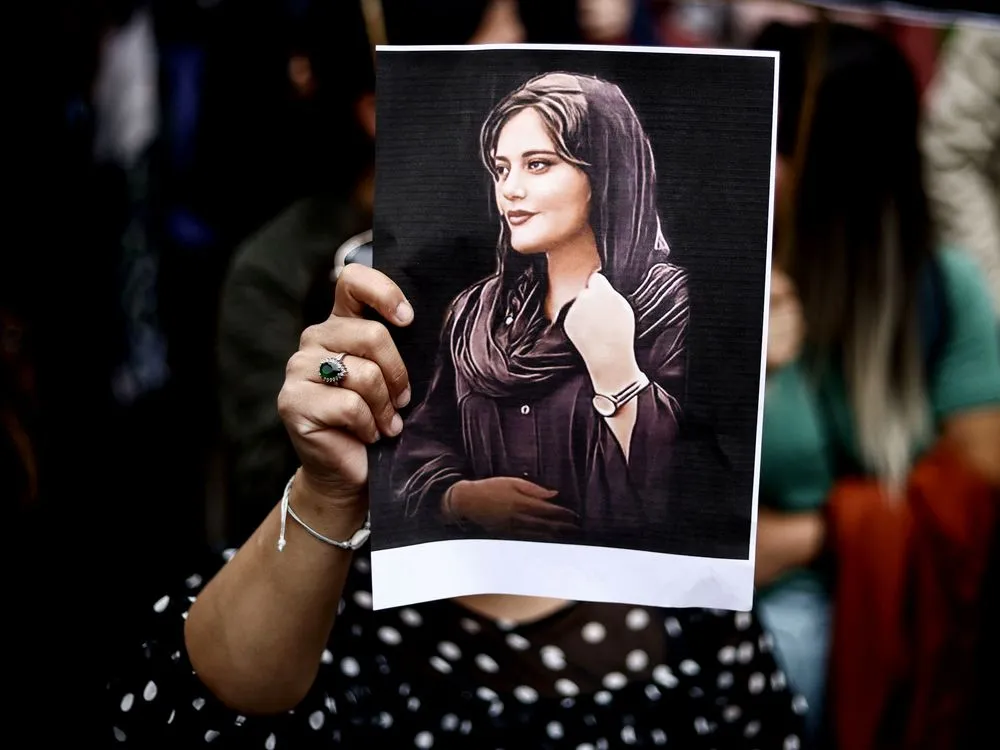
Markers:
point(526, 154)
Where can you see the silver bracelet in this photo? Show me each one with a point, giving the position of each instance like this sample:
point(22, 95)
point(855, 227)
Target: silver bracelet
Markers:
point(356, 541)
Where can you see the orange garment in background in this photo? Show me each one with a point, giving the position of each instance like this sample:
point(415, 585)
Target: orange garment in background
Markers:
point(907, 605)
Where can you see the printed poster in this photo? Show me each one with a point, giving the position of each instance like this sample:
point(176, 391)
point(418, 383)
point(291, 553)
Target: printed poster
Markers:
point(585, 236)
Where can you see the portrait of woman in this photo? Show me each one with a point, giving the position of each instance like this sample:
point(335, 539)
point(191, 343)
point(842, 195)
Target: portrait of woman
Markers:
point(559, 379)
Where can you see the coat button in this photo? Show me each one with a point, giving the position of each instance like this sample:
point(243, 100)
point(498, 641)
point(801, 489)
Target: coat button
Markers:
point(526, 409)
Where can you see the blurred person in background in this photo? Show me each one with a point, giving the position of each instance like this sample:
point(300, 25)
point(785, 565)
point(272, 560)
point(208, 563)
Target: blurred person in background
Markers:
point(611, 21)
point(81, 125)
point(279, 278)
point(961, 143)
point(883, 378)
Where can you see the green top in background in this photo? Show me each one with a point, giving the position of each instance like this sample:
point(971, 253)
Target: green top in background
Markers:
point(801, 419)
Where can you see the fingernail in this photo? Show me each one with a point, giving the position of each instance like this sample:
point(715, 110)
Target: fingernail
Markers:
point(396, 425)
point(404, 398)
point(404, 313)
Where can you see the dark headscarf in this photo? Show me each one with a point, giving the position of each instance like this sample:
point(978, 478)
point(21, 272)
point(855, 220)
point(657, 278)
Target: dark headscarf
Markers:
point(593, 126)
point(498, 359)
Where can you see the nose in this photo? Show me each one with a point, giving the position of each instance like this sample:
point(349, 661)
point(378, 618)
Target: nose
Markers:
point(512, 188)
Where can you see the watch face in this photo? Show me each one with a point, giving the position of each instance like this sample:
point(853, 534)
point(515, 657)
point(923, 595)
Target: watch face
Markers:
point(604, 405)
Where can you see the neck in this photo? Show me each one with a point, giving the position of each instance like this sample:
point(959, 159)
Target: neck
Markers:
point(569, 267)
point(517, 609)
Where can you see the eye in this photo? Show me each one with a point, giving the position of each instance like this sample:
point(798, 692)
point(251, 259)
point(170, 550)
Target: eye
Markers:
point(500, 170)
point(538, 165)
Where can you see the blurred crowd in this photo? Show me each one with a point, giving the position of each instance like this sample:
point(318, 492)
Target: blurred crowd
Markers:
point(191, 169)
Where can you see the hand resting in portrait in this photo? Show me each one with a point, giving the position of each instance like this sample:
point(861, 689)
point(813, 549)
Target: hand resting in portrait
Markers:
point(509, 505)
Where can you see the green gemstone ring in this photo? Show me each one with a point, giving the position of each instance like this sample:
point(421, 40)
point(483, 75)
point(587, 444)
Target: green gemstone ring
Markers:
point(333, 370)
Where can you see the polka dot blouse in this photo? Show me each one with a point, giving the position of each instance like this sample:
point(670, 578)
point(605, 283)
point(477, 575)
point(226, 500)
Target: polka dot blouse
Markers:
point(590, 677)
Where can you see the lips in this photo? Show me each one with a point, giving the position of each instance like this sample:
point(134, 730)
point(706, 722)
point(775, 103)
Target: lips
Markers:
point(517, 218)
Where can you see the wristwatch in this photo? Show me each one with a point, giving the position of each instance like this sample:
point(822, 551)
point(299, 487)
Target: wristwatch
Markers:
point(607, 405)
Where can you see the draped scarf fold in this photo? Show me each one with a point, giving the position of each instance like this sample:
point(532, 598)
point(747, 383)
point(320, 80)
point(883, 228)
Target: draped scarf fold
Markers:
point(502, 342)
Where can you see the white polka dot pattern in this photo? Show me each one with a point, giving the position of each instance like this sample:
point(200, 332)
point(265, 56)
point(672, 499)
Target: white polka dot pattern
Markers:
point(636, 660)
point(637, 619)
point(594, 677)
point(553, 657)
point(517, 642)
point(594, 632)
point(389, 635)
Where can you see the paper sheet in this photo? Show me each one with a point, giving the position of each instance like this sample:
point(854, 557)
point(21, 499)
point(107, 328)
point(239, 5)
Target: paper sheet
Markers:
point(585, 236)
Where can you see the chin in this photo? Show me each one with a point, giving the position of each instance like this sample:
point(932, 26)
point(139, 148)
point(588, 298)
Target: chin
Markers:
point(527, 247)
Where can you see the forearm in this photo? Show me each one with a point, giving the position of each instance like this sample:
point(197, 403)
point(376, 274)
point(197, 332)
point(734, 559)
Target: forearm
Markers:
point(256, 633)
point(975, 436)
point(622, 425)
point(786, 541)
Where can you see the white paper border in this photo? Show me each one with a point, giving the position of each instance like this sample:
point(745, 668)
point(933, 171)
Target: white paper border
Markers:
point(700, 51)
point(764, 331)
point(444, 570)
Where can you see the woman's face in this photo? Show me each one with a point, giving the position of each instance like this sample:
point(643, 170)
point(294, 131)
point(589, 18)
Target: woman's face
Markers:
point(544, 199)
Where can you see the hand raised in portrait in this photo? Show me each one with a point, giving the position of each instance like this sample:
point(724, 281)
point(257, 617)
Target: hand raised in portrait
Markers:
point(601, 325)
point(510, 505)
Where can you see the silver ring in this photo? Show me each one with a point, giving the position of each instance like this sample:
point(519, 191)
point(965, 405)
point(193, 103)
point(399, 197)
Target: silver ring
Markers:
point(332, 370)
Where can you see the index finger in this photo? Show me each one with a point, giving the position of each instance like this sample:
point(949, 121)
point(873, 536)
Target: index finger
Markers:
point(359, 286)
point(544, 509)
point(531, 489)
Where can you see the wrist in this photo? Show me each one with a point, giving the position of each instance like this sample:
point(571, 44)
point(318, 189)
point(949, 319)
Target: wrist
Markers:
point(334, 518)
point(450, 504)
point(613, 377)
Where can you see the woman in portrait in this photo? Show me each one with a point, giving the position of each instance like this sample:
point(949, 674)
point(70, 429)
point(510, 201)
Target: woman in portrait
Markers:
point(555, 397)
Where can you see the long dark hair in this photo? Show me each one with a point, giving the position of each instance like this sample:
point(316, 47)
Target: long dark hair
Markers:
point(593, 126)
point(858, 229)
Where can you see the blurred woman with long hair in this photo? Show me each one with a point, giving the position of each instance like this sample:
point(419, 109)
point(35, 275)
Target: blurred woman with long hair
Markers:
point(881, 344)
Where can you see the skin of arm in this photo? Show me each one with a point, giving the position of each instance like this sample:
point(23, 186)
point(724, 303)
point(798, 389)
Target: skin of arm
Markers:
point(256, 633)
